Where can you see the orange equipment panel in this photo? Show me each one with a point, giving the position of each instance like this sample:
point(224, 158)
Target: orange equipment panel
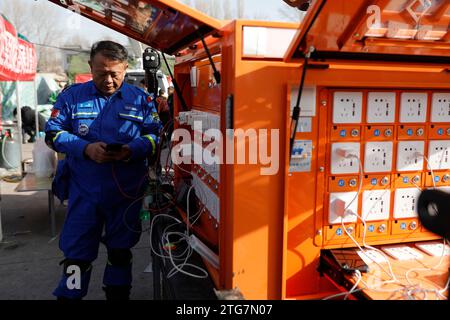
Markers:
point(374, 129)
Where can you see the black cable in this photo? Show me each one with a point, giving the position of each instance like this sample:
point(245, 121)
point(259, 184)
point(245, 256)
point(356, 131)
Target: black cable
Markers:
point(211, 61)
point(175, 85)
point(297, 109)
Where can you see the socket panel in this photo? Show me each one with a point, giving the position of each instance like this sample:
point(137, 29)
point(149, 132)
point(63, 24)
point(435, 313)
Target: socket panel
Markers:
point(206, 196)
point(439, 155)
point(341, 165)
point(376, 204)
point(381, 107)
point(440, 107)
point(338, 202)
point(413, 107)
point(347, 107)
point(405, 203)
point(378, 157)
point(410, 156)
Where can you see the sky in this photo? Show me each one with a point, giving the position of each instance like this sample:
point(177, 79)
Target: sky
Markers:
point(268, 9)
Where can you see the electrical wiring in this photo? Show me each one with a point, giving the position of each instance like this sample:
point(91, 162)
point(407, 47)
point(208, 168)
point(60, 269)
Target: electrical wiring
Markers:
point(410, 291)
point(407, 274)
point(165, 239)
point(349, 292)
point(364, 222)
point(352, 290)
point(429, 168)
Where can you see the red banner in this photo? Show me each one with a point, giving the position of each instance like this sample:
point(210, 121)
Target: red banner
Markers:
point(83, 77)
point(17, 57)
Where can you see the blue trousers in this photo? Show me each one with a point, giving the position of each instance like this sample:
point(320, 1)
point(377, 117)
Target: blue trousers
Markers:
point(83, 231)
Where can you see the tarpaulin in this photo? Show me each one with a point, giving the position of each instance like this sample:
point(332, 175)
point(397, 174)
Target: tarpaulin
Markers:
point(17, 56)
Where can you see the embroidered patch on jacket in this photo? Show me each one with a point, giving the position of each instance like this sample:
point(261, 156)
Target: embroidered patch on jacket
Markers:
point(55, 113)
point(83, 129)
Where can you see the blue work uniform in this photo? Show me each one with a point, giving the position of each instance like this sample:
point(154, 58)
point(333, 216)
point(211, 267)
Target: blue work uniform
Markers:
point(103, 199)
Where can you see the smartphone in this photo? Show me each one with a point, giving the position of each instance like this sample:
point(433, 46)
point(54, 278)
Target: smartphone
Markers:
point(349, 260)
point(114, 147)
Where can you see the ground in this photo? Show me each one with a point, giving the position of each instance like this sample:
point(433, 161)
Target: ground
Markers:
point(29, 256)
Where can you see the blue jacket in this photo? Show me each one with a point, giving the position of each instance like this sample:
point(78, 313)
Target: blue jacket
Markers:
point(82, 115)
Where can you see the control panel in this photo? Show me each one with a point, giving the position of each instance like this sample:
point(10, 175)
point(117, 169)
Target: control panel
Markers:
point(383, 148)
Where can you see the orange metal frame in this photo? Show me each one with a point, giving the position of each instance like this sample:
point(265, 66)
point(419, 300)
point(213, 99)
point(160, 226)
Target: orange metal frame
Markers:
point(272, 228)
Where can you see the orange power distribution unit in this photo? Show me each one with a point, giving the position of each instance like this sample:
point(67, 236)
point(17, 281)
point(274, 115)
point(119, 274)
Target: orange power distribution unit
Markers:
point(373, 130)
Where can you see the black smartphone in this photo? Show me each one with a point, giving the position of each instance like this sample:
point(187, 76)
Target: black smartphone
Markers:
point(113, 147)
point(349, 260)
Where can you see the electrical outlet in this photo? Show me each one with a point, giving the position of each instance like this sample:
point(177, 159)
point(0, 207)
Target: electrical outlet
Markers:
point(413, 107)
point(410, 156)
point(341, 164)
point(440, 108)
point(381, 107)
point(405, 203)
point(338, 202)
point(347, 107)
point(378, 157)
point(439, 155)
point(376, 204)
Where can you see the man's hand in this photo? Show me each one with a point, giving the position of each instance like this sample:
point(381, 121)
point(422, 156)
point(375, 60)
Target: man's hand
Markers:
point(97, 152)
point(122, 155)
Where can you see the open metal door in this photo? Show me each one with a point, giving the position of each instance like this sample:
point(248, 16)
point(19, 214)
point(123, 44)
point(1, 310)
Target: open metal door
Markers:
point(165, 25)
point(388, 30)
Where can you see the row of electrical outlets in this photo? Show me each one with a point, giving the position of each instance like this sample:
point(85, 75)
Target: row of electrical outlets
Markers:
point(208, 120)
point(208, 162)
point(206, 196)
point(375, 205)
point(381, 107)
point(378, 156)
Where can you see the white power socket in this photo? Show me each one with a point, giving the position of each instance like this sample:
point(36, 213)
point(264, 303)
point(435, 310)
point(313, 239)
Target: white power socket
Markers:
point(410, 156)
point(413, 107)
point(376, 204)
point(402, 252)
point(347, 107)
point(338, 202)
point(378, 156)
point(435, 249)
point(341, 164)
point(405, 203)
point(381, 107)
point(439, 155)
point(440, 109)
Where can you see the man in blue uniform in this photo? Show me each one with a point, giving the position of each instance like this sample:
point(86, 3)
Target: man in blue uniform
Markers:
point(107, 129)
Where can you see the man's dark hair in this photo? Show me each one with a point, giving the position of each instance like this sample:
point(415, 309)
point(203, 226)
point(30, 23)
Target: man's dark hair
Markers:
point(109, 49)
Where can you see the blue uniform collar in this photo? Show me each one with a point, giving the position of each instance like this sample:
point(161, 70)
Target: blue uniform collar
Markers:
point(95, 91)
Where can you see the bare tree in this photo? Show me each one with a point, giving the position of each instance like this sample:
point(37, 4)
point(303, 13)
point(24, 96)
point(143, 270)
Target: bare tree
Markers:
point(219, 9)
point(39, 22)
point(291, 14)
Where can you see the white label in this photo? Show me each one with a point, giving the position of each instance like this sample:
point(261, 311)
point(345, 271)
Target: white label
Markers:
point(307, 103)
